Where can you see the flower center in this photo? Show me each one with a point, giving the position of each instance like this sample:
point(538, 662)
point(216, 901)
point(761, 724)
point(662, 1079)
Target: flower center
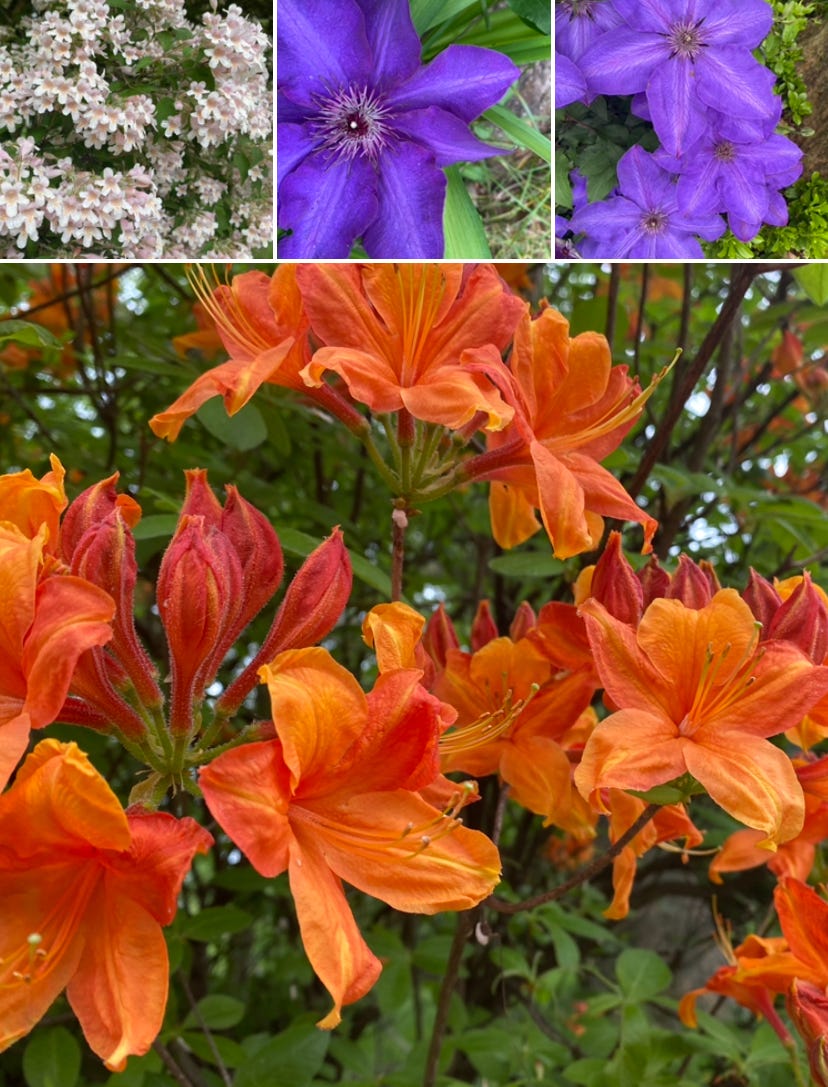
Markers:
point(686, 39)
point(579, 7)
point(352, 121)
point(654, 222)
point(724, 151)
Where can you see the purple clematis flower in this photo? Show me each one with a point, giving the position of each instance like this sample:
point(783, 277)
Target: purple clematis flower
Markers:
point(731, 172)
point(364, 128)
point(643, 220)
point(686, 55)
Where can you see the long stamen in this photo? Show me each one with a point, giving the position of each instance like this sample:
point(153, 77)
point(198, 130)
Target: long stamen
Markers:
point(231, 317)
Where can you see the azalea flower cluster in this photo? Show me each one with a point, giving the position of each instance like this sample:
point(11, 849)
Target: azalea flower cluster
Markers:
point(707, 690)
point(689, 66)
point(421, 346)
point(181, 170)
point(365, 130)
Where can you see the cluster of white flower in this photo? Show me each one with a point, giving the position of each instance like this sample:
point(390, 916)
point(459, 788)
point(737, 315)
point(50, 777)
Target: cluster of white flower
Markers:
point(136, 133)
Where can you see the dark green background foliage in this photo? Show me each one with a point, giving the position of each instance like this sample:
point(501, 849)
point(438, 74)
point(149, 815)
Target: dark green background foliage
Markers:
point(555, 996)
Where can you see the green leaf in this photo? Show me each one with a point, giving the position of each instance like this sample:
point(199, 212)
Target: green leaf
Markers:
point(52, 1058)
point(291, 1059)
point(813, 279)
point(526, 564)
point(522, 133)
point(465, 236)
point(215, 922)
point(589, 1072)
point(155, 526)
point(216, 1011)
point(427, 13)
point(30, 335)
point(641, 974)
point(243, 431)
point(231, 1053)
point(536, 13)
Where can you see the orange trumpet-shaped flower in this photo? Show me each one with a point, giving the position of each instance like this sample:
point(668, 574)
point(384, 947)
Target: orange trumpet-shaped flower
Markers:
point(697, 694)
point(573, 408)
point(262, 325)
point(336, 797)
point(425, 337)
point(86, 888)
point(46, 623)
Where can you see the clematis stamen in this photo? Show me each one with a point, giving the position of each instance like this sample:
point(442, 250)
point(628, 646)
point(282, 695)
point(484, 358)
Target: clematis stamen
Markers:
point(352, 121)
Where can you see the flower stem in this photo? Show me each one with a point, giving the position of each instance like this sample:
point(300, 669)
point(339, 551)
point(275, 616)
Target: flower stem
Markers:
point(465, 927)
point(583, 875)
point(399, 524)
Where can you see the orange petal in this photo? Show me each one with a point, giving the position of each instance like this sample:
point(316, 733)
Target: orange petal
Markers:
point(119, 989)
point(752, 780)
point(319, 711)
point(396, 847)
point(512, 515)
point(803, 915)
point(393, 631)
point(29, 503)
point(338, 954)
point(247, 790)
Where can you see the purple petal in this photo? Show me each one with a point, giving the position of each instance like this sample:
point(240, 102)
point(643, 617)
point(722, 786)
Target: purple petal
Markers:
point(642, 180)
point(699, 186)
point(745, 23)
point(327, 206)
point(574, 33)
point(649, 15)
point(570, 85)
point(777, 213)
point(293, 144)
point(464, 79)
point(743, 191)
point(445, 135)
point(780, 159)
point(679, 118)
point(412, 191)
point(732, 80)
point(292, 112)
point(708, 225)
point(675, 243)
point(607, 218)
point(622, 61)
point(393, 40)
point(321, 44)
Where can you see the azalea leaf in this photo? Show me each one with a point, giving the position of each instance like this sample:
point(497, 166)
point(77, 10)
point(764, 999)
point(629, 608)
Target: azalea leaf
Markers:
point(243, 431)
point(27, 333)
point(465, 236)
point(523, 134)
point(52, 1058)
point(813, 279)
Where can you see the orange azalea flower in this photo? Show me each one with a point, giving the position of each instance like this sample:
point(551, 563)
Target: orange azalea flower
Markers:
point(262, 325)
point(425, 337)
point(337, 797)
point(46, 623)
point(696, 694)
point(573, 408)
point(29, 503)
point(85, 888)
point(514, 713)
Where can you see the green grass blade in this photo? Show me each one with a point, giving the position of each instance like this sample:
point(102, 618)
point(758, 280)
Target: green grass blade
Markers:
point(522, 133)
point(465, 236)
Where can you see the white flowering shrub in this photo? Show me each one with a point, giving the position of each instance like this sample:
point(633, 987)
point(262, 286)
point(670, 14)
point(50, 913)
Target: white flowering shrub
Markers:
point(126, 130)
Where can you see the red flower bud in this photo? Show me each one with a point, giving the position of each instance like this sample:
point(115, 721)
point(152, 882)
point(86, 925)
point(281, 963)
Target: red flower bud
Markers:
point(199, 597)
point(615, 585)
point(524, 620)
point(691, 584)
point(440, 636)
point(808, 1009)
point(312, 604)
point(483, 629)
point(762, 599)
point(90, 508)
point(655, 581)
point(803, 620)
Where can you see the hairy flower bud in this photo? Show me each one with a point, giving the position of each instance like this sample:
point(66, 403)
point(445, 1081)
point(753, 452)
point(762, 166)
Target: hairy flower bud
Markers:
point(483, 629)
point(615, 584)
point(440, 636)
point(802, 618)
point(199, 596)
point(89, 509)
